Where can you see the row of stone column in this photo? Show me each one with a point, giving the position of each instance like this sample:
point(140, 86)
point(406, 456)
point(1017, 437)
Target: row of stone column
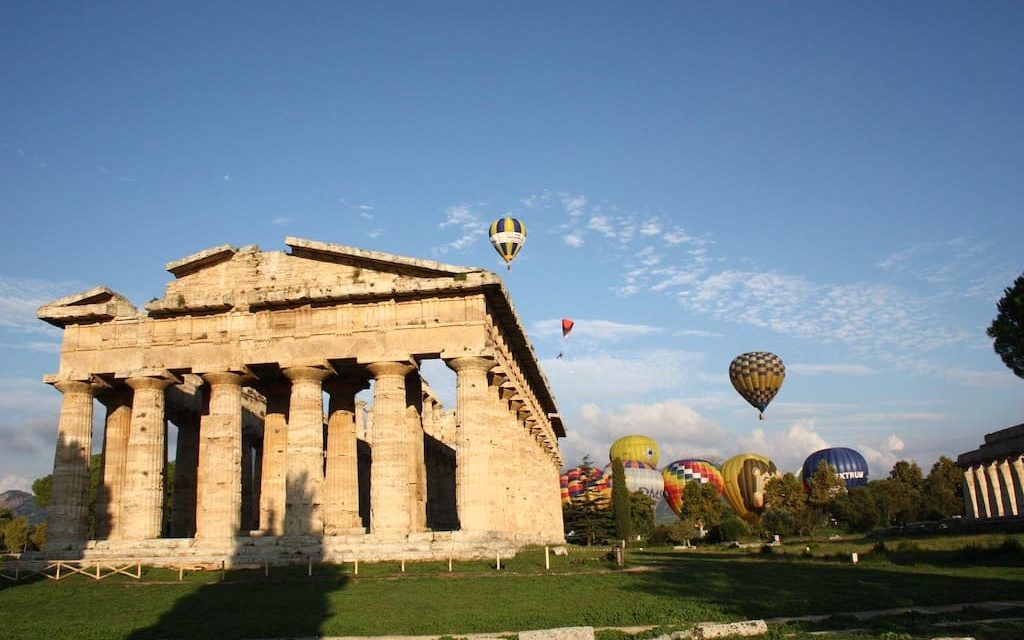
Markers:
point(501, 474)
point(995, 489)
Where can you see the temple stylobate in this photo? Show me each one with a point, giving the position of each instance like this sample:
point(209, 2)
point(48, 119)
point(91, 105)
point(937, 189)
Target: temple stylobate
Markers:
point(256, 358)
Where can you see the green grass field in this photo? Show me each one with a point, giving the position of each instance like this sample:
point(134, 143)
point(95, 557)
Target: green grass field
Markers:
point(658, 587)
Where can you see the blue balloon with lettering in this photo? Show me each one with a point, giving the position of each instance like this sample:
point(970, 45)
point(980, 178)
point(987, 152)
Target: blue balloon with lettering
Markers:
point(849, 464)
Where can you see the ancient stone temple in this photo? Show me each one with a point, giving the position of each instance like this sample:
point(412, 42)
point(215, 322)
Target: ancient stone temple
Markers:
point(994, 476)
point(256, 358)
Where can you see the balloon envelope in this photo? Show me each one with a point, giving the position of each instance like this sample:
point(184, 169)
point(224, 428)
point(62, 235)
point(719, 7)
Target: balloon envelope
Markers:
point(848, 463)
point(640, 448)
point(587, 484)
point(757, 376)
point(567, 326)
point(681, 473)
point(641, 477)
point(744, 477)
point(507, 236)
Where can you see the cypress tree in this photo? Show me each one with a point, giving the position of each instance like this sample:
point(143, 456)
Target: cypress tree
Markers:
point(621, 502)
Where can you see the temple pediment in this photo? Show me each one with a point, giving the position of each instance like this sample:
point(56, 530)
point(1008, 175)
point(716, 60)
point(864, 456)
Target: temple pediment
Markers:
point(223, 277)
point(98, 304)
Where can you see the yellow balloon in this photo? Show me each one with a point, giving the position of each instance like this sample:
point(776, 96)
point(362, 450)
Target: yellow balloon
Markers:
point(745, 476)
point(639, 448)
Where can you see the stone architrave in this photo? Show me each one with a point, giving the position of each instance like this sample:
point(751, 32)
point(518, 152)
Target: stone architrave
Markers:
point(472, 449)
point(305, 476)
point(390, 487)
point(341, 481)
point(116, 427)
point(142, 500)
point(219, 508)
point(69, 493)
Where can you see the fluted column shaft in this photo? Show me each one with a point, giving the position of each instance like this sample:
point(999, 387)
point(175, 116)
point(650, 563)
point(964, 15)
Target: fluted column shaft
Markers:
point(979, 477)
point(997, 491)
point(249, 508)
point(69, 493)
point(1009, 496)
point(143, 497)
point(305, 458)
point(341, 482)
point(274, 466)
point(970, 494)
point(116, 428)
point(219, 493)
point(1017, 472)
point(472, 444)
point(391, 492)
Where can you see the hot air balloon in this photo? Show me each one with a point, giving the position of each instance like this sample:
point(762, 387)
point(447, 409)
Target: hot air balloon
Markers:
point(508, 235)
point(567, 326)
point(677, 475)
point(588, 484)
point(744, 476)
point(639, 448)
point(849, 464)
point(641, 477)
point(757, 376)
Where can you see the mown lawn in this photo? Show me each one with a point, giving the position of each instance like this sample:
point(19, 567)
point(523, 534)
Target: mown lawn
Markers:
point(659, 587)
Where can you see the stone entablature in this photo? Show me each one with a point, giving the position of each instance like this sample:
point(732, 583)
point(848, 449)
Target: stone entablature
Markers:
point(238, 354)
point(994, 475)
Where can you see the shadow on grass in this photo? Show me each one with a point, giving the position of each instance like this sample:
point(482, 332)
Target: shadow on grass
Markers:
point(285, 601)
point(766, 586)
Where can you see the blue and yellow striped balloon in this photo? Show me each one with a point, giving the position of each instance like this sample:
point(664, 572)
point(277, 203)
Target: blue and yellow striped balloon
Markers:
point(508, 236)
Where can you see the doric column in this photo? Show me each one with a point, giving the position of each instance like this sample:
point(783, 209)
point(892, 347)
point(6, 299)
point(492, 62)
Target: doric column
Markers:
point(1017, 472)
point(996, 489)
point(1009, 496)
point(416, 465)
point(341, 481)
point(116, 427)
point(970, 494)
point(69, 493)
point(219, 491)
point(472, 450)
point(143, 498)
point(186, 472)
point(274, 467)
point(391, 491)
point(305, 457)
point(979, 477)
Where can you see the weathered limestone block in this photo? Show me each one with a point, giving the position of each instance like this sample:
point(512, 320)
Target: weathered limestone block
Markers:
point(561, 633)
point(145, 460)
point(304, 458)
point(69, 507)
point(747, 628)
point(218, 512)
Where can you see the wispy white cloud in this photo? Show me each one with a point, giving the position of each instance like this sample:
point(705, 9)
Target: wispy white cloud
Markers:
point(375, 233)
point(11, 481)
point(281, 221)
point(788, 448)
point(21, 297)
point(842, 369)
point(467, 225)
point(636, 375)
point(696, 333)
point(573, 239)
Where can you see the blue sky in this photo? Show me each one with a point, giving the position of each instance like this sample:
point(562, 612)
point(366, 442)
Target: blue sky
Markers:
point(839, 183)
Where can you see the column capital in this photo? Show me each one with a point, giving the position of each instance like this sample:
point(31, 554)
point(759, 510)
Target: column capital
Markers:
point(381, 369)
point(74, 386)
point(148, 382)
point(305, 372)
point(227, 377)
point(471, 363)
